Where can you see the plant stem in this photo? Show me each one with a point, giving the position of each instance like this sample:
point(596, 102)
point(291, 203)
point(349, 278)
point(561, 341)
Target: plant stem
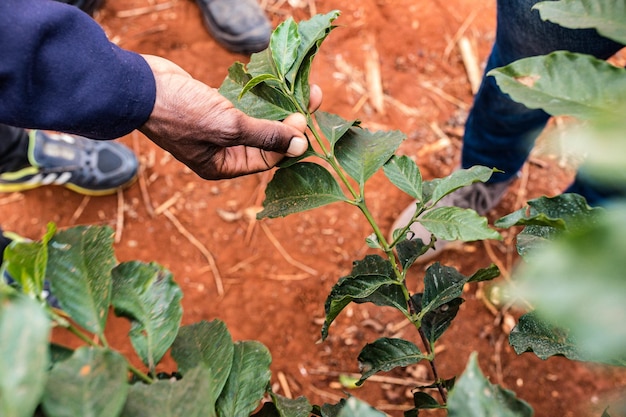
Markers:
point(142, 376)
point(82, 336)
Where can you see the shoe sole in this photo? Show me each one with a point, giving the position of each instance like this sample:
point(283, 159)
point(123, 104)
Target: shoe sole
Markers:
point(14, 188)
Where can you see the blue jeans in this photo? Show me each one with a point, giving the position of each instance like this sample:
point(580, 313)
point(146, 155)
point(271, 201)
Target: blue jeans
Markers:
point(500, 132)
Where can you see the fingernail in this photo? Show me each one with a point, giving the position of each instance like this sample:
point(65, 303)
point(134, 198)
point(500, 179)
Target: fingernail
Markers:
point(297, 146)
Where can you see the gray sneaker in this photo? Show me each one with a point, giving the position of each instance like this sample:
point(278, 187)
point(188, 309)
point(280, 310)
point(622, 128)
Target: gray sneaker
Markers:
point(479, 196)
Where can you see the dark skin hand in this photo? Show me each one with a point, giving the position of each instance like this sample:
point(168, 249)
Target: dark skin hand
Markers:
point(203, 130)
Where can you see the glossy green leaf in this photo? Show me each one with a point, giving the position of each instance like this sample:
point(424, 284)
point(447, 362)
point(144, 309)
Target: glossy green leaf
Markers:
point(454, 223)
point(165, 398)
point(312, 34)
point(442, 284)
point(248, 379)
point(79, 269)
point(534, 335)
point(332, 126)
point(436, 322)
point(284, 44)
point(24, 360)
point(386, 354)
point(371, 280)
point(409, 251)
point(403, 172)
point(300, 187)
point(608, 17)
point(577, 281)
point(546, 82)
point(485, 274)
point(25, 262)
point(354, 407)
point(254, 82)
point(474, 396)
point(546, 218)
point(149, 297)
point(288, 407)
point(206, 344)
point(90, 383)
point(440, 187)
point(362, 152)
point(262, 100)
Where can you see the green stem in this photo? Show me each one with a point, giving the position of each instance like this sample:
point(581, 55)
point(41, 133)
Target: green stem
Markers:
point(142, 376)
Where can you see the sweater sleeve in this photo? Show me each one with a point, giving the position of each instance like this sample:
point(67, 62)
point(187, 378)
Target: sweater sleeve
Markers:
point(58, 71)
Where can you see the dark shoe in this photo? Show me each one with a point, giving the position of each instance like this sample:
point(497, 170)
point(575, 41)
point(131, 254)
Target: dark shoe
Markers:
point(479, 196)
point(83, 165)
point(239, 25)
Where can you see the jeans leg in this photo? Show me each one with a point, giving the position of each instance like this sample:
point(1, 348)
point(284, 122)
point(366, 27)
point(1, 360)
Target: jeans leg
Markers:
point(500, 132)
point(13, 148)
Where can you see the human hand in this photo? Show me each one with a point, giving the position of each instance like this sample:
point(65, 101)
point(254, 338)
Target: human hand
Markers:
point(203, 130)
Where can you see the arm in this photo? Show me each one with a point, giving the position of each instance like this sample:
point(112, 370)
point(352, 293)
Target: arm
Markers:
point(58, 71)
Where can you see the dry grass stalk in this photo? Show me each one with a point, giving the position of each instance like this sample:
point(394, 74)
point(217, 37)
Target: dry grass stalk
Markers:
point(373, 79)
point(284, 253)
point(119, 224)
point(449, 98)
point(145, 10)
point(12, 198)
point(284, 384)
point(80, 209)
point(205, 252)
point(470, 61)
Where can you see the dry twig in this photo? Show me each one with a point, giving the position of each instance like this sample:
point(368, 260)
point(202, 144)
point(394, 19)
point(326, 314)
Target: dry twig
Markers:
point(119, 224)
point(12, 198)
point(145, 10)
point(284, 253)
point(79, 210)
point(194, 241)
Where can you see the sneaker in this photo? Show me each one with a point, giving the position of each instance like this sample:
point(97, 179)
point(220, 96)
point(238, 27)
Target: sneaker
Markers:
point(241, 26)
point(480, 197)
point(83, 165)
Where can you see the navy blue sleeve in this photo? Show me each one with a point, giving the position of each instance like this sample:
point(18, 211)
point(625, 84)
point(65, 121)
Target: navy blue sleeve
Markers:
point(58, 71)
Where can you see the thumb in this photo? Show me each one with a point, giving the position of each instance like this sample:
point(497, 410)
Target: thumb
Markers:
point(284, 137)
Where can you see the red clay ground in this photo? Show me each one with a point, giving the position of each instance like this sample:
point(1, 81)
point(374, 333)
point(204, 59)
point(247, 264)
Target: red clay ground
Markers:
point(277, 273)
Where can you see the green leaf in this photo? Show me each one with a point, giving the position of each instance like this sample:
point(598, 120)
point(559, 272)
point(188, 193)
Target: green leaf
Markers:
point(90, 383)
point(386, 354)
point(79, 269)
point(300, 187)
point(607, 17)
point(333, 127)
point(262, 101)
point(534, 335)
point(59, 353)
point(24, 334)
point(442, 284)
point(436, 322)
point(474, 396)
point(248, 379)
point(287, 407)
point(455, 223)
point(410, 250)
point(546, 218)
point(312, 34)
point(284, 44)
point(25, 262)
point(210, 345)
point(404, 174)
point(578, 282)
point(362, 152)
point(460, 178)
point(485, 274)
point(256, 81)
point(371, 280)
point(547, 82)
point(165, 398)
point(149, 297)
point(357, 408)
